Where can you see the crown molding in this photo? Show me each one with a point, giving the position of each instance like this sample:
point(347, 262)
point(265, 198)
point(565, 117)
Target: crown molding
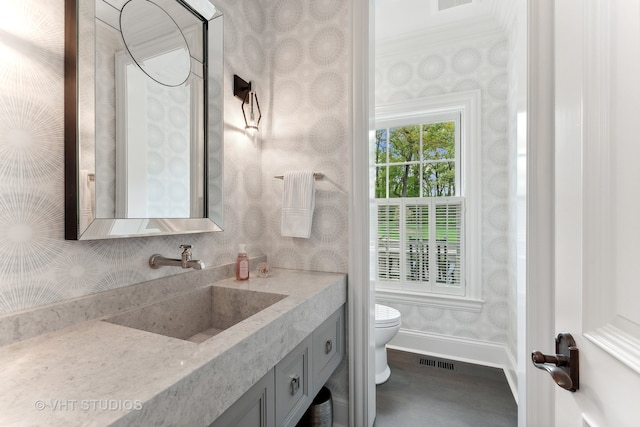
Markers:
point(438, 37)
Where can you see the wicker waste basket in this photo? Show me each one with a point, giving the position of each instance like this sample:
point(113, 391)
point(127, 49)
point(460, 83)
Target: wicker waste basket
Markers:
point(320, 413)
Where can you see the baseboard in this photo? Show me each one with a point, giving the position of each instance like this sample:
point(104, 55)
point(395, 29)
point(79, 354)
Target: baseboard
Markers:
point(511, 372)
point(340, 413)
point(454, 348)
point(462, 349)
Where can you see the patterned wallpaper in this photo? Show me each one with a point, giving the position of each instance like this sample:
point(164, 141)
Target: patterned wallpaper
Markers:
point(297, 55)
point(38, 266)
point(296, 50)
point(309, 128)
point(478, 63)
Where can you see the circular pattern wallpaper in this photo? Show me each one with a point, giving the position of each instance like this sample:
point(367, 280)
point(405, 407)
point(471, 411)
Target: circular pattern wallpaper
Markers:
point(286, 15)
point(327, 90)
point(287, 55)
point(457, 67)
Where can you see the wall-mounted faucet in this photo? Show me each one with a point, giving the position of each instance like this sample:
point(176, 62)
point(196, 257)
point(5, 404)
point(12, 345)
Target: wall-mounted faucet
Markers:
point(157, 260)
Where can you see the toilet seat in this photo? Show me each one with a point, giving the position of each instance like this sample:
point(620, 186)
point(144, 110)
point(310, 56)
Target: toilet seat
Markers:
point(386, 316)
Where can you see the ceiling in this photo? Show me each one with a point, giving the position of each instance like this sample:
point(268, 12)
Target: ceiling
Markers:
point(398, 18)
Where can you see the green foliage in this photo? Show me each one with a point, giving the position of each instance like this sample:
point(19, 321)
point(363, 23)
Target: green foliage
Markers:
point(405, 156)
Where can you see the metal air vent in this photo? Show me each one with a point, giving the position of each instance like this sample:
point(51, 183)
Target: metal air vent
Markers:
point(436, 364)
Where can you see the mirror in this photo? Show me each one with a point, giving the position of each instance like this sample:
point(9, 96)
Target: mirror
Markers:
point(155, 42)
point(143, 118)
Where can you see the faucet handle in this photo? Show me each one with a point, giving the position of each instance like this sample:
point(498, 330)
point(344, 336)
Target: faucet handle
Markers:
point(186, 253)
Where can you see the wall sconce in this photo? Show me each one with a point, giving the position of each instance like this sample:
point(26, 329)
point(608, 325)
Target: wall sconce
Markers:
point(250, 106)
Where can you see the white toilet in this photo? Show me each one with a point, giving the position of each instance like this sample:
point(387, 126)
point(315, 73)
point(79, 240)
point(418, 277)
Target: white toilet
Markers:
point(387, 326)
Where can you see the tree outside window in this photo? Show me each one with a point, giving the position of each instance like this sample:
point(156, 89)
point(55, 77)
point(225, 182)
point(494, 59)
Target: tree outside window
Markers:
point(416, 161)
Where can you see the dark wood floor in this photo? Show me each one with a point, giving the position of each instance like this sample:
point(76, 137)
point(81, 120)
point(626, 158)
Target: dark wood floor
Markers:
point(443, 393)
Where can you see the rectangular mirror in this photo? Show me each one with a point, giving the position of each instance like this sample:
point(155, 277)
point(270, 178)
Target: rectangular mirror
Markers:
point(143, 118)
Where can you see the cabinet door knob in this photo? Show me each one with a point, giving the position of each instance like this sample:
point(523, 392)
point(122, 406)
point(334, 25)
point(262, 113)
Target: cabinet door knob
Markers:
point(328, 346)
point(295, 384)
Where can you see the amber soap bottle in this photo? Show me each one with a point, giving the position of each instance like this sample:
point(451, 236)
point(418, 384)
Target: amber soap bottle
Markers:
point(242, 263)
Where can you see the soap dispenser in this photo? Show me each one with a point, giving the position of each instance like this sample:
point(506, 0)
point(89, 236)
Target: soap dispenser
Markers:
point(242, 263)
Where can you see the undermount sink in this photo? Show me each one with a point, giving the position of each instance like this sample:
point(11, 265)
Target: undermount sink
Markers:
point(198, 315)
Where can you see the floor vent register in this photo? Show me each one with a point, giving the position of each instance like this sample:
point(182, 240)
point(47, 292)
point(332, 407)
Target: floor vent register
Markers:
point(436, 364)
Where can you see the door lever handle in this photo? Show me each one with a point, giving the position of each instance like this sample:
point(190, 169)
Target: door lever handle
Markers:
point(564, 366)
point(542, 361)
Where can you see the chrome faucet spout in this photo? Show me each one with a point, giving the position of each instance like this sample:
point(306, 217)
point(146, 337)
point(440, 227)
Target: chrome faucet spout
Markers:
point(196, 264)
point(185, 261)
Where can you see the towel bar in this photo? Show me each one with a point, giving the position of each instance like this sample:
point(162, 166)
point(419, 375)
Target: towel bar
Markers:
point(316, 175)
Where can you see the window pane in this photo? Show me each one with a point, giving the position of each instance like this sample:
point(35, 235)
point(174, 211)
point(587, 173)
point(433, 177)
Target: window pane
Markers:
point(404, 181)
point(439, 179)
point(404, 144)
point(439, 141)
point(448, 247)
point(381, 146)
point(417, 242)
point(381, 182)
point(389, 242)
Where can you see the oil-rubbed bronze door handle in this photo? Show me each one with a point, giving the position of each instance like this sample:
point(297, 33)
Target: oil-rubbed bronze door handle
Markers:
point(564, 366)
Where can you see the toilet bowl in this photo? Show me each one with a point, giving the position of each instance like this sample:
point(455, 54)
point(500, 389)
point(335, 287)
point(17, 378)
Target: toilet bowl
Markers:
point(387, 326)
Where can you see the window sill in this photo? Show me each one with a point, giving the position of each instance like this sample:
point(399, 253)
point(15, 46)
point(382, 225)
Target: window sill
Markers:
point(446, 302)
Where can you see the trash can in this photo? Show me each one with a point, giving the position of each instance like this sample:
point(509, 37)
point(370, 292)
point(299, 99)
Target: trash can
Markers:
point(320, 413)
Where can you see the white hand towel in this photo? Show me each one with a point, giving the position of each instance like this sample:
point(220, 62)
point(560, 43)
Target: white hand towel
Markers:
point(298, 202)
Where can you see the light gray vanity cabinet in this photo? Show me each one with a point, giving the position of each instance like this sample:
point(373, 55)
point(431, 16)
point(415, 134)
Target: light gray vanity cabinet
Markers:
point(328, 348)
point(293, 385)
point(254, 409)
point(282, 396)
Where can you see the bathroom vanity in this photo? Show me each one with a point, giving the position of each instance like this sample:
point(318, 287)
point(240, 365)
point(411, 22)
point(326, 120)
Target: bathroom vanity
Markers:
point(282, 396)
point(263, 367)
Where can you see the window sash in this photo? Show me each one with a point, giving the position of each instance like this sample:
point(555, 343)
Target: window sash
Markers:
point(423, 163)
point(427, 256)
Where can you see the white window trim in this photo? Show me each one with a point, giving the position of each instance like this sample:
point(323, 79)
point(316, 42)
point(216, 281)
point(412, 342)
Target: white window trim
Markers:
point(411, 112)
point(443, 301)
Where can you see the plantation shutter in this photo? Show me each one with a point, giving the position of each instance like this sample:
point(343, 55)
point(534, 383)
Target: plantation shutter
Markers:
point(420, 244)
point(388, 242)
point(416, 242)
point(449, 217)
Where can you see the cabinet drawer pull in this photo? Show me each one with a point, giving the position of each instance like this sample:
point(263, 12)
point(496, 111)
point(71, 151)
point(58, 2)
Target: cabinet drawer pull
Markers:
point(295, 384)
point(328, 346)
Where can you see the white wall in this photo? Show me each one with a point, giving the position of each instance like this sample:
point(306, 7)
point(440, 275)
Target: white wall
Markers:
point(516, 157)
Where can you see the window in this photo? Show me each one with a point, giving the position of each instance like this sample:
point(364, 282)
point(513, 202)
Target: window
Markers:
point(420, 230)
point(419, 160)
point(425, 172)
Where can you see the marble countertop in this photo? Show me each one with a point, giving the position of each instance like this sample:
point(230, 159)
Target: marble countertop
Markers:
point(98, 373)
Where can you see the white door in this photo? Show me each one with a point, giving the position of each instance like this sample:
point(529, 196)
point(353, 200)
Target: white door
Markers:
point(597, 207)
